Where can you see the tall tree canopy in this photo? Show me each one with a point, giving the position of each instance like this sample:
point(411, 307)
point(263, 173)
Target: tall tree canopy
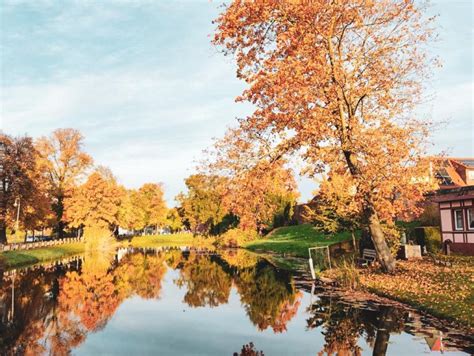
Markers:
point(153, 204)
point(20, 183)
point(94, 204)
point(335, 82)
point(202, 206)
point(63, 162)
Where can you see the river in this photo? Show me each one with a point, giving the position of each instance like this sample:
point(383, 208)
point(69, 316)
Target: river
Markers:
point(190, 302)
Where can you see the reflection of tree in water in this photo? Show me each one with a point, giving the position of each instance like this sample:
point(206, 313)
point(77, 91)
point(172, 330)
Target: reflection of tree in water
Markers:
point(269, 296)
point(343, 325)
point(249, 350)
point(206, 281)
point(140, 274)
point(35, 312)
point(239, 258)
point(54, 311)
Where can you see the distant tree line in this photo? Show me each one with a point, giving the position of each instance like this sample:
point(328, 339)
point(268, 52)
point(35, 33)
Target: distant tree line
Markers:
point(51, 182)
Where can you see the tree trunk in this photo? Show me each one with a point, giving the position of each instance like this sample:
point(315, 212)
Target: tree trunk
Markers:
point(3, 233)
point(383, 251)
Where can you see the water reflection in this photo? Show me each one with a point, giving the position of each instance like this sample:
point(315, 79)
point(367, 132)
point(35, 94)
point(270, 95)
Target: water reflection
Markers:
point(54, 308)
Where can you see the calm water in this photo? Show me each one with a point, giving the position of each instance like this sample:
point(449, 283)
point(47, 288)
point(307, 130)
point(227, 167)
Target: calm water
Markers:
point(189, 303)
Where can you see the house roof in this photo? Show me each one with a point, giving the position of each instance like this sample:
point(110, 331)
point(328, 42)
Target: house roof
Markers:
point(446, 172)
point(457, 193)
point(466, 162)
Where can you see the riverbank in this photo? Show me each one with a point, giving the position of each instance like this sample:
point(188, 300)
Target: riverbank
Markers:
point(13, 259)
point(171, 240)
point(295, 240)
point(443, 291)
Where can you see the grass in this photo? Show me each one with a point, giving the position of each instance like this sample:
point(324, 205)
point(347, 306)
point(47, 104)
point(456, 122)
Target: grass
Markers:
point(180, 239)
point(13, 259)
point(295, 240)
point(446, 292)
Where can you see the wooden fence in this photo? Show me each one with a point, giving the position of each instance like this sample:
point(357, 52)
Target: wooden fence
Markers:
point(38, 244)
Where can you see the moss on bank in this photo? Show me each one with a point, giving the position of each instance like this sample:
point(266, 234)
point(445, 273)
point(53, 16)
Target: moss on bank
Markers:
point(13, 259)
point(295, 240)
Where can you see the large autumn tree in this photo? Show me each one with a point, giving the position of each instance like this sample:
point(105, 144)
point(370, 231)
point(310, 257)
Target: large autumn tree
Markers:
point(94, 204)
point(20, 183)
point(63, 162)
point(336, 82)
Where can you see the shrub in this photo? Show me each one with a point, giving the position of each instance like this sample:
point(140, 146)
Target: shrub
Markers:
point(433, 239)
point(98, 239)
point(430, 216)
point(348, 275)
point(236, 237)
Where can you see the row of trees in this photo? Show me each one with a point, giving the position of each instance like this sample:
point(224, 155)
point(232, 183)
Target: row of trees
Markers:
point(258, 200)
point(57, 186)
point(52, 183)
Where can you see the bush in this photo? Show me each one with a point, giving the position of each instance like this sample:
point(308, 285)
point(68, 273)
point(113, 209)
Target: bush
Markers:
point(98, 239)
point(433, 239)
point(347, 275)
point(430, 215)
point(236, 237)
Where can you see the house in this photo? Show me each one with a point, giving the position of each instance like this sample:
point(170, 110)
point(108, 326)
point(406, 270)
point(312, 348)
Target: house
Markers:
point(456, 209)
point(453, 172)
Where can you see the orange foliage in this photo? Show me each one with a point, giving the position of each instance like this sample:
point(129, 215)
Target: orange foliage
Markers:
point(336, 83)
point(94, 204)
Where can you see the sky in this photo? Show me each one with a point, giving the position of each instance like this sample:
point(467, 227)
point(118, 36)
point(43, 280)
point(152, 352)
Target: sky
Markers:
point(144, 85)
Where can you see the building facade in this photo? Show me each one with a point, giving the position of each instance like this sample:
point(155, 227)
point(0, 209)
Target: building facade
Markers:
point(456, 209)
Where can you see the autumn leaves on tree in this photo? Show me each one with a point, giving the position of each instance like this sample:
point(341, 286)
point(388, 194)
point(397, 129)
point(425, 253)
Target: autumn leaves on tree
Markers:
point(57, 187)
point(335, 83)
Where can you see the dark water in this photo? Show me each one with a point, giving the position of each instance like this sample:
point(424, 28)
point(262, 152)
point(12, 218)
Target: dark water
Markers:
point(188, 303)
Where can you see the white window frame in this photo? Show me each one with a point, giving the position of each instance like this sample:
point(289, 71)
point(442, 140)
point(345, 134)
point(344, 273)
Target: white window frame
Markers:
point(470, 218)
point(456, 227)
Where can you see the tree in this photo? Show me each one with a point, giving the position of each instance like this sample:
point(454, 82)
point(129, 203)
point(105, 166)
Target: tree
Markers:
point(202, 205)
point(333, 208)
point(153, 204)
point(63, 162)
point(261, 194)
point(173, 220)
point(20, 182)
point(336, 83)
point(95, 204)
point(131, 215)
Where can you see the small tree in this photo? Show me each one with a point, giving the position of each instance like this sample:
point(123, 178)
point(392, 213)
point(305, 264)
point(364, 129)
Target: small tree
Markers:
point(152, 203)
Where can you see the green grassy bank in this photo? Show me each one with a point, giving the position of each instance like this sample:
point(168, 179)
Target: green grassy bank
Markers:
point(12, 259)
point(173, 240)
point(295, 240)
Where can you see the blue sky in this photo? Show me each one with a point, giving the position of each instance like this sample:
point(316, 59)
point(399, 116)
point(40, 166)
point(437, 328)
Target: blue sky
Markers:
point(142, 82)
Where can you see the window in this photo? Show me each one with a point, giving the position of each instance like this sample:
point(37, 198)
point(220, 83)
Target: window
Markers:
point(470, 218)
point(470, 175)
point(458, 221)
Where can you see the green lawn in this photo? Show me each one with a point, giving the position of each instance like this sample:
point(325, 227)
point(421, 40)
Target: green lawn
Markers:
point(180, 239)
point(27, 257)
point(295, 240)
